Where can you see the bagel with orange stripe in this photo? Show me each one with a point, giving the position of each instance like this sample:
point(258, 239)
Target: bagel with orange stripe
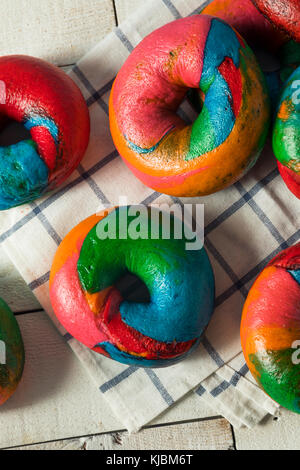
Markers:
point(88, 303)
point(224, 142)
point(270, 328)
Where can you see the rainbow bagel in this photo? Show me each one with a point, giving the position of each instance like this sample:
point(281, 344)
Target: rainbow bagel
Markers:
point(286, 133)
point(12, 354)
point(88, 304)
point(52, 108)
point(270, 329)
point(198, 52)
point(285, 14)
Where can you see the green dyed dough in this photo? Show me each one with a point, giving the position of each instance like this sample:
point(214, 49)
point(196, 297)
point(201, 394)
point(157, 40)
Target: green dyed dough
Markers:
point(12, 354)
point(279, 377)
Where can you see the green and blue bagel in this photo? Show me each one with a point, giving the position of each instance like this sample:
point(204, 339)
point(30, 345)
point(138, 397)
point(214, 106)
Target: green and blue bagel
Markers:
point(87, 302)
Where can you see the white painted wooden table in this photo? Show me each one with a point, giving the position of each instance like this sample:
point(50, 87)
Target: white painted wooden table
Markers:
point(56, 406)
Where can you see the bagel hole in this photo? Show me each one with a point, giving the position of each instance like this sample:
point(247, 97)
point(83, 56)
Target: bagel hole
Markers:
point(133, 289)
point(191, 106)
point(195, 98)
point(12, 132)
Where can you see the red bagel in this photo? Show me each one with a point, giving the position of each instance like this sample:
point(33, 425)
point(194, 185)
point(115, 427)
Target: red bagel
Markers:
point(285, 14)
point(52, 108)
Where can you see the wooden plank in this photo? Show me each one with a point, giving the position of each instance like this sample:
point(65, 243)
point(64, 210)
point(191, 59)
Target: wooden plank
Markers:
point(60, 32)
point(272, 434)
point(124, 8)
point(13, 288)
point(201, 435)
point(56, 398)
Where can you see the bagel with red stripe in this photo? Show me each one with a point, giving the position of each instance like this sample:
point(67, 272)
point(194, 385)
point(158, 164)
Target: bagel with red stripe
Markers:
point(224, 142)
point(49, 105)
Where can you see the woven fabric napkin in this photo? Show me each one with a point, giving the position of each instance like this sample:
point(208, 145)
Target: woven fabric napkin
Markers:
point(246, 225)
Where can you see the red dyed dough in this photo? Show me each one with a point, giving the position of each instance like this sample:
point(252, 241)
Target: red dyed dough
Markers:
point(290, 178)
point(285, 14)
point(248, 21)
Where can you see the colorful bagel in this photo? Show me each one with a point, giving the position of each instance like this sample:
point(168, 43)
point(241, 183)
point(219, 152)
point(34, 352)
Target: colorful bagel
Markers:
point(89, 305)
point(286, 133)
point(12, 354)
point(270, 329)
point(52, 108)
point(198, 52)
point(285, 14)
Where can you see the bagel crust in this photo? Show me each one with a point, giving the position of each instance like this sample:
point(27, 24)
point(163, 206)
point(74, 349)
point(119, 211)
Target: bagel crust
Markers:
point(285, 14)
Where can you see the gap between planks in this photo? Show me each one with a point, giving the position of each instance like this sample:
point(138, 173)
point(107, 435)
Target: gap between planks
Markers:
point(213, 433)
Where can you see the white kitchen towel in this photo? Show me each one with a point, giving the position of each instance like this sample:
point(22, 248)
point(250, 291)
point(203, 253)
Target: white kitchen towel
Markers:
point(246, 225)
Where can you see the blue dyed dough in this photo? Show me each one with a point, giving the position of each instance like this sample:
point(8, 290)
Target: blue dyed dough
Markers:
point(296, 275)
point(218, 95)
point(23, 174)
point(141, 150)
point(37, 121)
point(177, 297)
